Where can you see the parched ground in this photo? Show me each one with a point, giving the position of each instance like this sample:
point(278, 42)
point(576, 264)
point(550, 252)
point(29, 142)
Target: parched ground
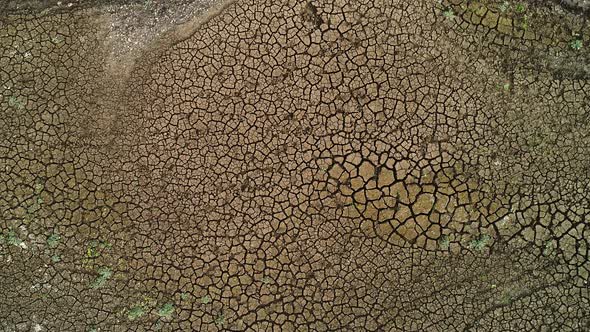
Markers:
point(252, 165)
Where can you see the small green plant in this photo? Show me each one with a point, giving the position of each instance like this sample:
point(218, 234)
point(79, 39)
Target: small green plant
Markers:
point(220, 320)
point(166, 310)
point(57, 39)
point(525, 23)
point(504, 6)
point(206, 299)
point(148, 302)
point(135, 313)
point(53, 240)
point(92, 253)
point(449, 13)
point(480, 243)
point(104, 274)
point(444, 242)
point(512, 293)
point(576, 43)
point(12, 239)
point(184, 296)
point(94, 248)
point(56, 258)
point(520, 8)
point(39, 187)
point(548, 248)
point(104, 245)
point(506, 298)
point(16, 103)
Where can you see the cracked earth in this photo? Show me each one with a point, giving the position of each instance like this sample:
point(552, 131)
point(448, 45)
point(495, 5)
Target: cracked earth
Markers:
point(257, 165)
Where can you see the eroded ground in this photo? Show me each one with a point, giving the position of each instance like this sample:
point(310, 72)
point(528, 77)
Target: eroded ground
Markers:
point(289, 165)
